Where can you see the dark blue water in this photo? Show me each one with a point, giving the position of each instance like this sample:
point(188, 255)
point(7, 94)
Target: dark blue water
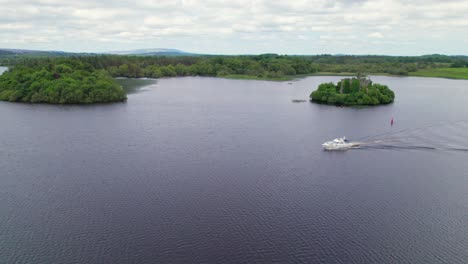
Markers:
point(205, 170)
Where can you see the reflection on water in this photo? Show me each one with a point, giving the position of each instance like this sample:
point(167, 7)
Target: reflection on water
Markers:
point(2, 69)
point(134, 85)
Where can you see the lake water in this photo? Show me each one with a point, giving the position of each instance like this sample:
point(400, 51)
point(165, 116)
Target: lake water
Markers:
point(206, 170)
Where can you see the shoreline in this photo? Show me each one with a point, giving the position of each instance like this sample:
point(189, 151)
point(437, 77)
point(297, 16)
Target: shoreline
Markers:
point(300, 76)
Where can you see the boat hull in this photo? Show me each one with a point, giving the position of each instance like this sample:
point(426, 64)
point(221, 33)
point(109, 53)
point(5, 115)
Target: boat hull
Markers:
point(339, 145)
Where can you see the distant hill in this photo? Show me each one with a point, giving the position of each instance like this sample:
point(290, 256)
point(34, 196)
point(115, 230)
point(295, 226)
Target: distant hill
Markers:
point(54, 53)
point(153, 52)
point(6, 52)
point(13, 56)
point(34, 53)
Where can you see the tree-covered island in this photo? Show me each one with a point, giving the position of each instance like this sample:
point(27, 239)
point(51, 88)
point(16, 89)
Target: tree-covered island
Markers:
point(62, 81)
point(353, 91)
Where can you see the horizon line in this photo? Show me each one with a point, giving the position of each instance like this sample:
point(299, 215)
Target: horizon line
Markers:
point(110, 52)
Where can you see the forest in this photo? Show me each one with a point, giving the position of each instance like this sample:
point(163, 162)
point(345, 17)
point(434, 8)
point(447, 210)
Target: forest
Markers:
point(266, 66)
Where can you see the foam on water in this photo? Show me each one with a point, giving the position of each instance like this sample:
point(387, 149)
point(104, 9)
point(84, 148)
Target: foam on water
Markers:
point(446, 136)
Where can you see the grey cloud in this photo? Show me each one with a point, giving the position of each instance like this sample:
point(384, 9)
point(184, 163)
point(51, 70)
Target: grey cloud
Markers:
point(235, 25)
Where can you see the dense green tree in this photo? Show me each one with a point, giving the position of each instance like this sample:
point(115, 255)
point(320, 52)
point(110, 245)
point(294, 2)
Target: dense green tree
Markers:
point(64, 81)
point(352, 94)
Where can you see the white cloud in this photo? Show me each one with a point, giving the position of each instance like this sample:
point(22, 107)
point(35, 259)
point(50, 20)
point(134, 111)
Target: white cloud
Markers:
point(15, 26)
point(242, 26)
point(376, 35)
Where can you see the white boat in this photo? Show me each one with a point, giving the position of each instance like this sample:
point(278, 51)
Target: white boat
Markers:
point(339, 143)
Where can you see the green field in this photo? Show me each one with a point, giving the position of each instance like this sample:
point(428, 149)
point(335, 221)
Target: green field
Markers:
point(454, 73)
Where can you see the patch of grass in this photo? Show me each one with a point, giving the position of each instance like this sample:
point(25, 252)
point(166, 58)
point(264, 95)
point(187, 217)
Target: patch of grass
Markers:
point(453, 73)
point(250, 77)
point(286, 77)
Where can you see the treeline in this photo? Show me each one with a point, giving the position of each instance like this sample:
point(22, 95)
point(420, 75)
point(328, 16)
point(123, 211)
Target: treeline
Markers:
point(59, 81)
point(265, 66)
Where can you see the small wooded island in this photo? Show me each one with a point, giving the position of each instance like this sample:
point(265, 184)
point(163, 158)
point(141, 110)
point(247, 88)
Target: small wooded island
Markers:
point(353, 91)
point(65, 81)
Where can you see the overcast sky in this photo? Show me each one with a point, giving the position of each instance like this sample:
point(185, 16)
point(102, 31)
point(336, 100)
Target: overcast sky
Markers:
point(391, 27)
